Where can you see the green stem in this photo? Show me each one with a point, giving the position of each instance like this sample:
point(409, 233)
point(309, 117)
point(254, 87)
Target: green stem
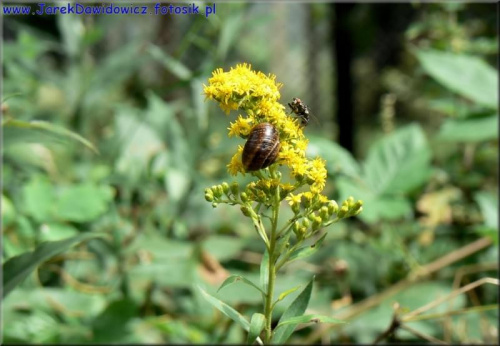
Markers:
point(268, 313)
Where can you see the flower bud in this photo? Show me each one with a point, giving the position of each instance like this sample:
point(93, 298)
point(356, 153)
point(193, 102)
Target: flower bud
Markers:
point(245, 210)
point(323, 213)
point(244, 197)
point(220, 191)
point(358, 211)
point(350, 200)
point(296, 226)
point(307, 202)
point(300, 233)
point(209, 197)
point(316, 223)
point(235, 188)
point(214, 205)
point(296, 208)
point(225, 187)
point(306, 223)
point(217, 193)
point(343, 211)
point(358, 204)
point(333, 207)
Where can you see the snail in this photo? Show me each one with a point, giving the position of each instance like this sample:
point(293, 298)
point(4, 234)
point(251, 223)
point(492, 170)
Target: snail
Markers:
point(262, 147)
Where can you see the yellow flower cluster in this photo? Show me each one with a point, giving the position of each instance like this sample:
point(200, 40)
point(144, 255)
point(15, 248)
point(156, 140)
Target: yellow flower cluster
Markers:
point(257, 95)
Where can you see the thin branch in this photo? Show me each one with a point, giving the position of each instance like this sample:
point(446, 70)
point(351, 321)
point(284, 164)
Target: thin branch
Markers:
point(408, 317)
point(374, 300)
point(455, 312)
point(423, 336)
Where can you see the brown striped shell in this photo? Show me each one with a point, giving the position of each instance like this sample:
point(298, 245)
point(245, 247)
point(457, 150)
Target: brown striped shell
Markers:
point(262, 147)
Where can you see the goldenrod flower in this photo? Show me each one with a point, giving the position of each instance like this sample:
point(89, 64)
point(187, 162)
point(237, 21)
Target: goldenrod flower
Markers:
point(257, 95)
point(236, 166)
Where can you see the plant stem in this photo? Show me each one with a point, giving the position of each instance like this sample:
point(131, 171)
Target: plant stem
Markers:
point(268, 313)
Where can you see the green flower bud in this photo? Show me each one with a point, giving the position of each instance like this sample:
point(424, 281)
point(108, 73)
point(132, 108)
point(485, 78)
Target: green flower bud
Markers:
point(333, 207)
point(296, 226)
point(235, 188)
point(307, 202)
point(310, 180)
point(244, 197)
point(214, 205)
point(306, 223)
point(296, 208)
point(220, 191)
point(358, 211)
point(343, 211)
point(209, 197)
point(316, 223)
point(300, 233)
point(311, 216)
point(217, 190)
point(246, 211)
point(358, 204)
point(225, 187)
point(323, 213)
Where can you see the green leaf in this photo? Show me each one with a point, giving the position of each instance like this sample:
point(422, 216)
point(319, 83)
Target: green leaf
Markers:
point(286, 293)
point(264, 271)
point(307, 250)
point(337, 158)
point(233, 278)
point(111, 324)
point(223, 247)
point(81, 203)
point(140, 144)
point(229, 32)
point(399, 162)
point(294, 321)
point(226, 310)
point(297, 308)
point(53, 231)
point(466, 75)
point(18, 131)
point(8, 212)
point(257, 324)
point(16, 269)
point(470, 130)
point(175, 67)
point(488, 203)
point(39, 197)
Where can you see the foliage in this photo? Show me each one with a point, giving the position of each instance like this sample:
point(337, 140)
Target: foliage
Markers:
point(108, 145)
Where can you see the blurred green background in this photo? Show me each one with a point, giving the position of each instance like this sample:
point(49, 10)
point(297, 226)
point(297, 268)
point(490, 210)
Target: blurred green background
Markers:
point(406, 107)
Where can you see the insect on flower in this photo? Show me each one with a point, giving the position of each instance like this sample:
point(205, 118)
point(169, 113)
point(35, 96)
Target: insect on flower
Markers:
point(301, 110)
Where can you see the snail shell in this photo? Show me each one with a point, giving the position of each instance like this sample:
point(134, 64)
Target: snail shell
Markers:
point(262, 147)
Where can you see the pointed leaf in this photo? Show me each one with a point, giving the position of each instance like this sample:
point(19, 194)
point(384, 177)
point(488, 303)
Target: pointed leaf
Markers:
point(234, 278)
point(16, 131)
point(306, 251)
point(297, 308)
point(226, 309)
point(308, 319)
point(399, 162)
point(470, 130)
point(257, 324)
point(177, 68)
point(286, 293)
point(19, 267)
point(466, 75)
